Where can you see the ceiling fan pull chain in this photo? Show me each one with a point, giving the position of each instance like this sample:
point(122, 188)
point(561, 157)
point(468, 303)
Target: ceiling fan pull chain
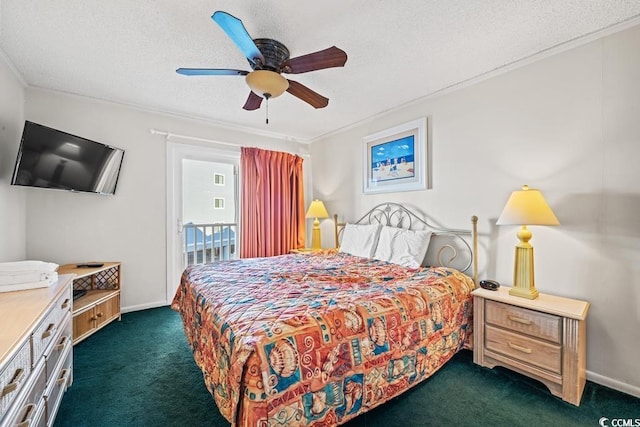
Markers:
point(267, 102)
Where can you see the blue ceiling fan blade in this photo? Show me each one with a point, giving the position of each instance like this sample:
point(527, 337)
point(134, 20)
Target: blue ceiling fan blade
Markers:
point(210, 72)
point(238, 33)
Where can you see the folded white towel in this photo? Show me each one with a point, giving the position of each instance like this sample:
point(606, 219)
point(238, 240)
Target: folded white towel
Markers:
point(9, 267)
point(18, 278)
point(15, 273)
point(25, 286)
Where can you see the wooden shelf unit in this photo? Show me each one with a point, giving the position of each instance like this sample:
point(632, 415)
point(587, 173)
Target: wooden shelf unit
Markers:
point(101, 304)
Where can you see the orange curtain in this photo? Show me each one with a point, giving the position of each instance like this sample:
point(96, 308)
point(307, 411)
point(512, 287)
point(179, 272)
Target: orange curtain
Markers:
point(272, 218)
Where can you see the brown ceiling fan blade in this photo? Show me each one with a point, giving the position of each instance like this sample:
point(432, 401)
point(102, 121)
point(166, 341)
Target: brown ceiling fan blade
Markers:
point(307, 95)
point(328, 58)
point(253, 102)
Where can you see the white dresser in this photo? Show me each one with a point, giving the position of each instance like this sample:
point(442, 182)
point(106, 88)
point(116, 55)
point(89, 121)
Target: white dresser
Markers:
point(36, 355)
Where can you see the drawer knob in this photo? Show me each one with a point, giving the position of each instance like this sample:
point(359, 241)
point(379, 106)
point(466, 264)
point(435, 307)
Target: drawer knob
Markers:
point(13, 385)
point(28, 416)
point(99, 315)
point(62, 343)
point(65, 304)
point(63, 377)
point(520, 320)
point(49, 331)
point(519, 348)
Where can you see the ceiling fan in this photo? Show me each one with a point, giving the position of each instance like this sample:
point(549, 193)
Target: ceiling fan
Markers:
point(269, 58)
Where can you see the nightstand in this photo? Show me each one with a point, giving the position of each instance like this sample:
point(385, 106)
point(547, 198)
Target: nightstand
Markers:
point(544, 338)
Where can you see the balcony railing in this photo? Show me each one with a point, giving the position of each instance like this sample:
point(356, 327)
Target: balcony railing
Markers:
point(204, 243)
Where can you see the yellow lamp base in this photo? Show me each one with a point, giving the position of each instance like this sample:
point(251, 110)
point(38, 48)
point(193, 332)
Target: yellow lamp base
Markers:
point(315, 235)
point(524, 293)
point(523, 278)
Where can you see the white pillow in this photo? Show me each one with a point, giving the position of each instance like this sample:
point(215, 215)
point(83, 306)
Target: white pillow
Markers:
point(403, 247)
point(360, 239)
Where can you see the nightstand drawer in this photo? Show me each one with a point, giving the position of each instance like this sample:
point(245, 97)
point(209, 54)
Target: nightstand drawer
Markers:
point(529, 350)
point(522, 320)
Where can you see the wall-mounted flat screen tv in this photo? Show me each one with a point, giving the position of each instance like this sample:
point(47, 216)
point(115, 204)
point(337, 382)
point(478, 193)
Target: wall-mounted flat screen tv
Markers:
point(49, 158)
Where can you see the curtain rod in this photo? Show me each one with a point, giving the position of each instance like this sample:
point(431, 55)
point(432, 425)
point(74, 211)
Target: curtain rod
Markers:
point(168, 135)
point(193, 138)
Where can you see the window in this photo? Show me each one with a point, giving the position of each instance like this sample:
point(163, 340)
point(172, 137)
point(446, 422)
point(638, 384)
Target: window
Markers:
point(218, 203)
point(218, 179)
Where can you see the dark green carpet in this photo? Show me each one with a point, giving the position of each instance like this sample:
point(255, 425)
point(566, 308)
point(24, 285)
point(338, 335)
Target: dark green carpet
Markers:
point(140, 372)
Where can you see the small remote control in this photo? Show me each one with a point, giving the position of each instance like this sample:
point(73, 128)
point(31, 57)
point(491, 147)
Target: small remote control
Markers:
point(90, 265)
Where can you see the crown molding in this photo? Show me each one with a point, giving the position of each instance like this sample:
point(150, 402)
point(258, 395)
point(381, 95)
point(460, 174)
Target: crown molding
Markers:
point(145, 109)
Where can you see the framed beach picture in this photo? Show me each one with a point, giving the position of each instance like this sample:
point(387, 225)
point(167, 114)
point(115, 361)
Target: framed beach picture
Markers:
point(395, 159)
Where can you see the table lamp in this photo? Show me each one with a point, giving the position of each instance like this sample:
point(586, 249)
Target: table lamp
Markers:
point(525, 207)
point(316, 210)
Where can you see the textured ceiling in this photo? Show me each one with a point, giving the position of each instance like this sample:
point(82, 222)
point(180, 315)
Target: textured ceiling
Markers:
point(127, 51)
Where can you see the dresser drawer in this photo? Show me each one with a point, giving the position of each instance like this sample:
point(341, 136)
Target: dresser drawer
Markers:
point(59, 348)
point(40, 418)
point(56, 391)
point(525, 349)
point(14, 375)
point(38, 386)
point(31, 405)
point(31, 414)
point(522, 320)
point(46, 331)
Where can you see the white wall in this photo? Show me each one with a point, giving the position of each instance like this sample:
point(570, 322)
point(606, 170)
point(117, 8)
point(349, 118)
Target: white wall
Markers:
point(130, 226)
point(12, 199)
point(568, 125)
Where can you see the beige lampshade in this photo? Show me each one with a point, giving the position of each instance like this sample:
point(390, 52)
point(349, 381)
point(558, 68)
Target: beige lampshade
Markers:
point(268, 84)
point(527, 207)
point(317, 210)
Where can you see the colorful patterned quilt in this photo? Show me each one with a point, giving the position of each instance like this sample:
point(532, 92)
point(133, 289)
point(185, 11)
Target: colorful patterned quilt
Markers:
point(318, 339)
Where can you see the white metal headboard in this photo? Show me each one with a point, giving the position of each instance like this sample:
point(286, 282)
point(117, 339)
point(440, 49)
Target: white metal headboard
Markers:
point(452, 241)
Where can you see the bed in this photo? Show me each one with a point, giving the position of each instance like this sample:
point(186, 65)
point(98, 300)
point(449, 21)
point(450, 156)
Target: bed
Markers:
point(319, 338)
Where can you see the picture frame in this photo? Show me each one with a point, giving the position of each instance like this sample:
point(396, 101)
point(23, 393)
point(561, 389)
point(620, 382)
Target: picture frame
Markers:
point(395, 158)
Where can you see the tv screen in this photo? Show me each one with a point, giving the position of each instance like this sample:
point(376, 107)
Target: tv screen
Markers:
point(49, 158)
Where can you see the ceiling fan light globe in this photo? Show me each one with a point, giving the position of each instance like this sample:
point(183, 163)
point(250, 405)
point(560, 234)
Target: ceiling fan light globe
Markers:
point(265, 83)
